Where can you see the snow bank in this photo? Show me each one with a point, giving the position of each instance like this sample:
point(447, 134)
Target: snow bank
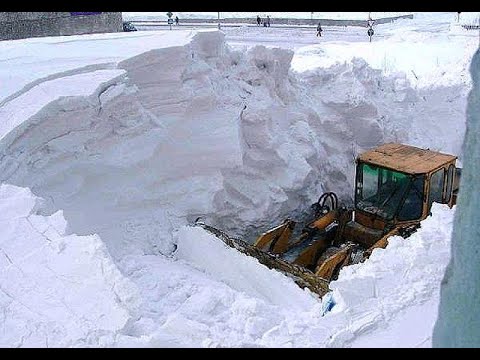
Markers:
point(29, 62)
point(56, 289)
point(370, 108)
point(84, 145)
point(432, 50)
point(458, 323)
point(395, 287)
point(240, 272)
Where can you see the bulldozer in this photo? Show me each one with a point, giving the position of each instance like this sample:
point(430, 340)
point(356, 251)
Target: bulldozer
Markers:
point(395, 186)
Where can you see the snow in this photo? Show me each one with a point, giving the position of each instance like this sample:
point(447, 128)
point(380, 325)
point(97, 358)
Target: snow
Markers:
point(29, 62)
point(388, 292)
point(128, 138)
point(426, 58)
point(31, 103)
point(458, 322)
point(377, 301)
point(206, 253)
point(46, 276)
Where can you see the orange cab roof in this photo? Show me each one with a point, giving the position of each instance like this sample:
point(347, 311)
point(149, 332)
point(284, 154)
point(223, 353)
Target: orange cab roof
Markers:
point(406, 158)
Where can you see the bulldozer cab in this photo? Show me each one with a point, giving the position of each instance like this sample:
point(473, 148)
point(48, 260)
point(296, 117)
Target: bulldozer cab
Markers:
point(395, 187)
point(396, 184)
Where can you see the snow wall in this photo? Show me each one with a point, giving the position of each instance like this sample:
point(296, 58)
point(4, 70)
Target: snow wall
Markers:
point(458, 324)
point(133, 149)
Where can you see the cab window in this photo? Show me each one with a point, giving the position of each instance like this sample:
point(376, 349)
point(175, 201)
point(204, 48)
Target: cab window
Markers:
point(436, 188)
point(412, 206)
point(448, 193)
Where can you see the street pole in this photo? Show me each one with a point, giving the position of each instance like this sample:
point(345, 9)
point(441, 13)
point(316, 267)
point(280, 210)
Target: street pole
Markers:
point(219, 27)
point(170, 20)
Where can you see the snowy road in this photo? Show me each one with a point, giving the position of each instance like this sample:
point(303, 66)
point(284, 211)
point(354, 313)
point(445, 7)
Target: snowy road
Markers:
point(291, 37)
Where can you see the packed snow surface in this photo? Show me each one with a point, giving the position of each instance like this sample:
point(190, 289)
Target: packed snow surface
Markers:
point(124, 139)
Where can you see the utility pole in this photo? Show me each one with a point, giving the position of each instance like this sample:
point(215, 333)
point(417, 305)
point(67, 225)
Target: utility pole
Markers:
point(370, 23)
point(219, 27)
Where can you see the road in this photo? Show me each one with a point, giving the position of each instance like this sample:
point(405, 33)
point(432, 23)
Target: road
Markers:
point(290, 37)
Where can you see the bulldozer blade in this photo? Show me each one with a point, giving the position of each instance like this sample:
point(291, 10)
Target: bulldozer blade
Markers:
point(302, 277)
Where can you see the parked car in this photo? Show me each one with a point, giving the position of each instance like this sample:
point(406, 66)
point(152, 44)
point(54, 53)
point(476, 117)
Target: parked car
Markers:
point(128, 26)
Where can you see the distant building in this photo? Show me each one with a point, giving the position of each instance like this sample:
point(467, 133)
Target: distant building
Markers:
point(21, 25)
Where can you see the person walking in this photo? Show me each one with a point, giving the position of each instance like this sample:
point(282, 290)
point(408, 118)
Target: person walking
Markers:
point(319, 30)
point(259, 20)
point(268, 20)
point(177, 20)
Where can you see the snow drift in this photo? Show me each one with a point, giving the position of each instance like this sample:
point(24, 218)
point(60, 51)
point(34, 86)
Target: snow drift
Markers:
point(46, 276)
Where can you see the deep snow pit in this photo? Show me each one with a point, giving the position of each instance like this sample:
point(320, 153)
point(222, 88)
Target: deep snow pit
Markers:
point(133, 145)
point(172, 133)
